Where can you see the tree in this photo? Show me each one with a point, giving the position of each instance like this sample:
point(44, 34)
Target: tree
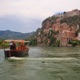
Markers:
point(58, 43)
point(74, 43)
point(33, 42)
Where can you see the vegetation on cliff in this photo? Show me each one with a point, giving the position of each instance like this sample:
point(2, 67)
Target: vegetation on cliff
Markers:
point(72, 20)
point(52, 30)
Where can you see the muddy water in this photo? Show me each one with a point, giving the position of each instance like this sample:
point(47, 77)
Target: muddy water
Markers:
point(46, 63)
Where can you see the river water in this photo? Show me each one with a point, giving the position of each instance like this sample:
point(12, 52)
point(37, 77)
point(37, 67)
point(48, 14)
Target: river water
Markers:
point(43, 63)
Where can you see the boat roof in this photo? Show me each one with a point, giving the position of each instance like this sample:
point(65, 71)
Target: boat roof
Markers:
point(10, 40)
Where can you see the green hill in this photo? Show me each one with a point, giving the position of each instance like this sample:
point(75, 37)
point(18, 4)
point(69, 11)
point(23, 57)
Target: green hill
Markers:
point(7, 34)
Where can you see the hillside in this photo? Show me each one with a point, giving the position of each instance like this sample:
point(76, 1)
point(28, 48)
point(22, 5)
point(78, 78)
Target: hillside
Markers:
point(7, 34)
point(60, 29)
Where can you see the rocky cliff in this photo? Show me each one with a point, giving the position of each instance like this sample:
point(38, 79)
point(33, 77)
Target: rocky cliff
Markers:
point(59, 29)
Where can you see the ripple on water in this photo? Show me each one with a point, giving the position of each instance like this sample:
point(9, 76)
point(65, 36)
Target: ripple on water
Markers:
point(42, 64)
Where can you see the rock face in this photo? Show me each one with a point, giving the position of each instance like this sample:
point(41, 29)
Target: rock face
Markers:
point(68, 14)
point(59, 29)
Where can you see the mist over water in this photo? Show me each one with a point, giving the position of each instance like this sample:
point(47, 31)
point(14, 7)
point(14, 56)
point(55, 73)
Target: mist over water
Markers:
point(43, 63)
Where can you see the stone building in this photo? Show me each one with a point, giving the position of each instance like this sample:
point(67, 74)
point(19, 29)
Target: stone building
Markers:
point(68, 14)
point(61, 31)
point(66, 32)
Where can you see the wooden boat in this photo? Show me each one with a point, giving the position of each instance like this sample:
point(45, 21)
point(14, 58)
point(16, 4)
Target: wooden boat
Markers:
point(17, 52)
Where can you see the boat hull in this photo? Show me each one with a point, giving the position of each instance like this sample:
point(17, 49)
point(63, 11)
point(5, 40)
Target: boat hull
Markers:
point(15, 53)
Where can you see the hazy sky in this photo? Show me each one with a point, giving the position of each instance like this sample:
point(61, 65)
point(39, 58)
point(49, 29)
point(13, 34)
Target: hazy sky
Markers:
point(27, 15)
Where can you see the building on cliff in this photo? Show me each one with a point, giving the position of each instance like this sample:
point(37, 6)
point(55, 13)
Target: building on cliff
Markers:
point(57, 31)
point(68, 14)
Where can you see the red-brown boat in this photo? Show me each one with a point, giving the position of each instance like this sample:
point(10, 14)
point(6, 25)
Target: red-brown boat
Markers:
point(17, 52)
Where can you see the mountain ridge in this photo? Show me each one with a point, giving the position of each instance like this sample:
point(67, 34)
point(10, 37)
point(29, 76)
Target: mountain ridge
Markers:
point(8, 34)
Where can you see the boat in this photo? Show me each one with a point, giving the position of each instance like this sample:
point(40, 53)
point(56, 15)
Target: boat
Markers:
point(16, 52)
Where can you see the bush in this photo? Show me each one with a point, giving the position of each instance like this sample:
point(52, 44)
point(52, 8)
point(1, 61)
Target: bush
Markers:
point(74, 43)
point(33, 42)
point(58, 43)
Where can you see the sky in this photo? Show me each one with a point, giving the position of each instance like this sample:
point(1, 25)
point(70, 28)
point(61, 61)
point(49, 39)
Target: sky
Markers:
point(27, 15)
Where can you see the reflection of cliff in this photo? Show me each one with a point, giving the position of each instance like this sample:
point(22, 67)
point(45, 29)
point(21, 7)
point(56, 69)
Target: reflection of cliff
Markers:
point(59, 31)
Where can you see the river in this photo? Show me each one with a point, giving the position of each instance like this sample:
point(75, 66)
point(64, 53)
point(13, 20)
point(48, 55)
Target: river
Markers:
point(43, 63)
